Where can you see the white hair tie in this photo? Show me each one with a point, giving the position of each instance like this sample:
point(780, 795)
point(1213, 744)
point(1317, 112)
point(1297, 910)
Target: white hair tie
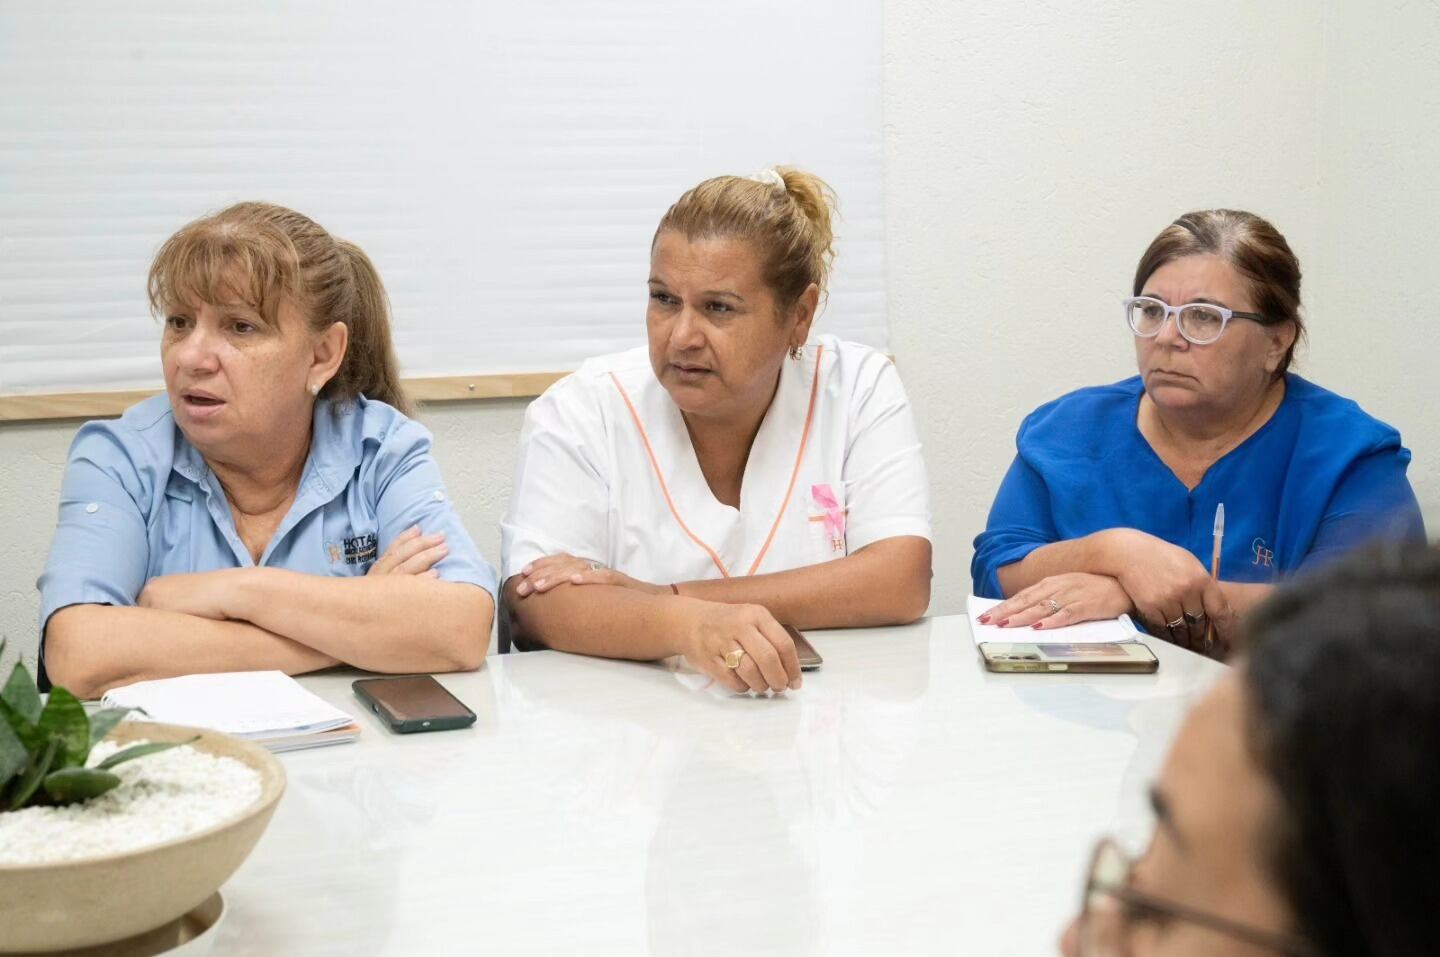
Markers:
point(770, 177)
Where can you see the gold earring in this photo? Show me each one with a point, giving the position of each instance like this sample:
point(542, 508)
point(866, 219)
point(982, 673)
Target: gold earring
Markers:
point(796, 352)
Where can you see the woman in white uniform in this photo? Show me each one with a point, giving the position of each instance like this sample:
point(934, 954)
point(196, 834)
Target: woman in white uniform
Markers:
point(688, 497)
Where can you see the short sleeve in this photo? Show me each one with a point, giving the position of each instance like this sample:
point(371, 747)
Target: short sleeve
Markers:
point(887, 490)
point(1020, 521)
point(561, 498)
point(410, 491)
point(100, 550)
point(1372, 501)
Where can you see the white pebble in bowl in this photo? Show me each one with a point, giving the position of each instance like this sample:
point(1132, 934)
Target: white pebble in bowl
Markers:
point(161, 797)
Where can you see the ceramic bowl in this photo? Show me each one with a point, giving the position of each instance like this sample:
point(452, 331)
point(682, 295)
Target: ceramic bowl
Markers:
point(64, 905)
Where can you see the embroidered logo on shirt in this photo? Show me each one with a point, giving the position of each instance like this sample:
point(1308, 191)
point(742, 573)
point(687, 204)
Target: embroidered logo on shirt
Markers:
point(1263, 555)
point(357, 550)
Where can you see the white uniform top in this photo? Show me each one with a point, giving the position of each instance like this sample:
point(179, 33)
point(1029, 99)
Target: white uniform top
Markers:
point(607, 472)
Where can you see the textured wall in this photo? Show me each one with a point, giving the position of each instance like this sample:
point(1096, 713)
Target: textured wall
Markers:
point(1375, 334)
point(1031, 153)
point(1034, 150)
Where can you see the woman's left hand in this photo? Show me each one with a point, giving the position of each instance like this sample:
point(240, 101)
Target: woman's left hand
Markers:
point(545, 573)
point(202, 594)
point(1061, 600)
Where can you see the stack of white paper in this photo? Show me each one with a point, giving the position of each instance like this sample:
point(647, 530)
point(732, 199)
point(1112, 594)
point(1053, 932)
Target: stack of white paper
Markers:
point(1087, 632)
point(267, 707)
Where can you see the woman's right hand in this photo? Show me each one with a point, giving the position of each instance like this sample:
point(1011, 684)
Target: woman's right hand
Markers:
point(715, 630)
point(412, 554)
point(1169, 584)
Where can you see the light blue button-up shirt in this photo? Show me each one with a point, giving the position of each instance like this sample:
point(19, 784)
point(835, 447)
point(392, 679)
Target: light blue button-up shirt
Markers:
point(138, 502)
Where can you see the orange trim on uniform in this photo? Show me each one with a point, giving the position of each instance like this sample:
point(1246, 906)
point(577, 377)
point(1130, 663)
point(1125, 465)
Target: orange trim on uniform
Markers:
point(660, 477)
point(794, 474)
point(799, 457)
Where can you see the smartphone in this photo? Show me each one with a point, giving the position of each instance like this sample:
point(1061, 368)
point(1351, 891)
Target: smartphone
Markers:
point(413, 703)
point(809, 658)
point(1125, 657)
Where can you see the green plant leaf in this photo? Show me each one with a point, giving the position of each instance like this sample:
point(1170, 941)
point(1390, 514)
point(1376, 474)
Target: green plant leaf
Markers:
point(21, 694)
point(69, 785)
point(103, 720)
point(26, 731)
point(140, 750)
point(64, 718)
point(13, 754)
point(30, 780)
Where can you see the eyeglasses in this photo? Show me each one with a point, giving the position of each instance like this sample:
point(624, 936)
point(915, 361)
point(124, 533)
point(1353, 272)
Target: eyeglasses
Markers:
point(1116, 919)
point(1199, 322)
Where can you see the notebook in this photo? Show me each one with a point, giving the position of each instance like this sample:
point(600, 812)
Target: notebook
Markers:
point(267, 707)
point(1087, 632)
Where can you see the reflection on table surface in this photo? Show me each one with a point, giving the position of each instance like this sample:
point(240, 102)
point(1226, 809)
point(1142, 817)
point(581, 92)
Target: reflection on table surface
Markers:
point(904, 800)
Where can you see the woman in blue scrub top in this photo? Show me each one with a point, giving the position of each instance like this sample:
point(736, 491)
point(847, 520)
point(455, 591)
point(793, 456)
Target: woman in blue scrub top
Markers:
point(1109, 506)
point(275, 508)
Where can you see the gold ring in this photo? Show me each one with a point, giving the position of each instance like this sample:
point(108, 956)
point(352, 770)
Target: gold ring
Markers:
point(1176, 623)
point(733, 659)
point(1053, 605)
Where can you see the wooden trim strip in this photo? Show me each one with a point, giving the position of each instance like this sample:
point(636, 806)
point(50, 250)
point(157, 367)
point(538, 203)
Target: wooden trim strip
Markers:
point(95, 405)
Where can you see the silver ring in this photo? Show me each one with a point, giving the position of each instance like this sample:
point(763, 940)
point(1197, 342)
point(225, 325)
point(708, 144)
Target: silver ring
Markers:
point(1194, 619)
point(1176, 623)
point(1053, 605)
point(596, 566)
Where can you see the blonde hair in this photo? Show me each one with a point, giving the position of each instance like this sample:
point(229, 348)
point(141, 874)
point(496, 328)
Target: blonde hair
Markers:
point(261, 254)
point(789, 225)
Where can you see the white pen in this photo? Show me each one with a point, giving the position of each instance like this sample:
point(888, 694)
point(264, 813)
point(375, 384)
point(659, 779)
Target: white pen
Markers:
point(1219, 536)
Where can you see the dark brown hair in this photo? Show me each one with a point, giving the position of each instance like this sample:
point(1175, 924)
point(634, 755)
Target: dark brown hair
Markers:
point(789, 225)
point(263, 253)
point(1247, 242)
point(1343, 693)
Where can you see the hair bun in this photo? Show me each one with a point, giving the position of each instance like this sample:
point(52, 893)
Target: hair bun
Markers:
point(770, 177)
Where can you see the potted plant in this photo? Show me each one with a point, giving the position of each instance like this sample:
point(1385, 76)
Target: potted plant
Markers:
point(44, 746)
point(94, 847)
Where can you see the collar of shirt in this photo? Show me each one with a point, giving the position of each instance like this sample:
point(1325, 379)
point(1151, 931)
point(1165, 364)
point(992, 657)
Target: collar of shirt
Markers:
point(334, 454)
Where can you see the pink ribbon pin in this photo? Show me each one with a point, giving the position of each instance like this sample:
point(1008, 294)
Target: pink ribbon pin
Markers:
point(824, 497)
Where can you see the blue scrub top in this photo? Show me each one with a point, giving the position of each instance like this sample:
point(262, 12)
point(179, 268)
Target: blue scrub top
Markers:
point(1319, 478)
point(138, 501)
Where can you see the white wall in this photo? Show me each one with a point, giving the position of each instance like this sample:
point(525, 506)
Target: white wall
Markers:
point(1031, 154)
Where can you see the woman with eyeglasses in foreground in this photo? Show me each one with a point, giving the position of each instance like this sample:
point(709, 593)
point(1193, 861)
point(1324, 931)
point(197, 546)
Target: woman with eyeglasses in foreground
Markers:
point(1110, 505)
point(1296, 811)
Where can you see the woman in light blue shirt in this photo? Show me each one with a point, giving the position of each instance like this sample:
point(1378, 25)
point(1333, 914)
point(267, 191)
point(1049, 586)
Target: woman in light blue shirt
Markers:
point(276, 508)
point(1110, 504)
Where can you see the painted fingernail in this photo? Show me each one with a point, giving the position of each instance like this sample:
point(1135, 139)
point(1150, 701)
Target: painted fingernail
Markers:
point(984, 619)
point(1037, 626)
point(1002, 624)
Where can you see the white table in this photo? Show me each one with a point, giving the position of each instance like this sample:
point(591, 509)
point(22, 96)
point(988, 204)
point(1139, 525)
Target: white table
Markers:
point(904, 801)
